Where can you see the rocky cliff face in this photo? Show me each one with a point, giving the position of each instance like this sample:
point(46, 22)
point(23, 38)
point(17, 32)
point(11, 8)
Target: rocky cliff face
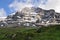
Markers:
point(44, 15)
point(33, 15)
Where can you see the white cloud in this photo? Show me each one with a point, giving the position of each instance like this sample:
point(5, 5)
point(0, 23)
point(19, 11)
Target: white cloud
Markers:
point(2, 13)
point(52, 4)
point(19, 5)
point(45, 4)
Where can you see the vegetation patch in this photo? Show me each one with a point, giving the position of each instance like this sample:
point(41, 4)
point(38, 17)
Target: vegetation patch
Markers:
point(43, 33)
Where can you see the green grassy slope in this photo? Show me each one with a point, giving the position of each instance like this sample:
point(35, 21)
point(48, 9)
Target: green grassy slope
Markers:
point(43, 33)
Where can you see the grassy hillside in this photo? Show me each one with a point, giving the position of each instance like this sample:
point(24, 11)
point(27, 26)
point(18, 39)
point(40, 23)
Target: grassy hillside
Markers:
point(43, 33)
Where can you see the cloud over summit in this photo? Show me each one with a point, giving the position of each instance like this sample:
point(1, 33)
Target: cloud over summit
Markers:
point(45, 4)
point(19, 4)
point(52, 4)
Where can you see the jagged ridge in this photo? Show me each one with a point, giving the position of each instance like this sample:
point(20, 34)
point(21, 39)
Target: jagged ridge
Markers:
point(34, 15)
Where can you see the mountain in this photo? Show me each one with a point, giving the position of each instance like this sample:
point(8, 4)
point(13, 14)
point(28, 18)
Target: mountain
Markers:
point(31, 15)
point(36, 12)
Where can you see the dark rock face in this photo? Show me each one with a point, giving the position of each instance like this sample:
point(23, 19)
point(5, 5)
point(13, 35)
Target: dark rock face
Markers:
point(17, 15)
point(38, 10)
point(2, 24)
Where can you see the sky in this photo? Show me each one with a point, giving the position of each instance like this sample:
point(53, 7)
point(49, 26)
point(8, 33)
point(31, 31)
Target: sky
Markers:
point(4, 7)
point(9, 6)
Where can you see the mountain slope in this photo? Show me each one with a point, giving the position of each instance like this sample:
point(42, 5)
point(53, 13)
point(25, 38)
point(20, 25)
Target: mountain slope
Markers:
point(44, 33)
